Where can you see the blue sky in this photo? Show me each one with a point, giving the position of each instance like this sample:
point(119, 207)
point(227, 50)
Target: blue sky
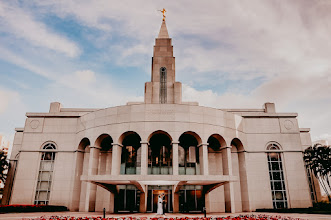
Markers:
point(229, 54)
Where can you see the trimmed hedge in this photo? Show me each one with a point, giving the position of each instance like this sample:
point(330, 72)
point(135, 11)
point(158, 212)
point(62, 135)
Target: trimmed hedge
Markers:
point(318, 208)
point(32, 208)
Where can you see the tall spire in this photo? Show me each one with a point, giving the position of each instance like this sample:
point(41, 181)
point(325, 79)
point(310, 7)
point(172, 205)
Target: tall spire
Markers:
point(163, 88)
point(163, 31)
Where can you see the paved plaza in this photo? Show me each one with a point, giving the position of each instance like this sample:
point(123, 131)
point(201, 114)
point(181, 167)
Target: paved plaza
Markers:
point(35, 215)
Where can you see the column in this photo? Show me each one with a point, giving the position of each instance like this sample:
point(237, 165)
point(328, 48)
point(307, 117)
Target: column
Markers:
point(143, 200)
point(175, 158)
point(116, 159)
point(175, 200)
point(144, 158)
point(92, 170)
point(228, 187)
point(203, 156)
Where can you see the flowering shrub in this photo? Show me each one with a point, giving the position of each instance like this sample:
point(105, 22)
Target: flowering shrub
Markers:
point(31, 208)
point(240, 217)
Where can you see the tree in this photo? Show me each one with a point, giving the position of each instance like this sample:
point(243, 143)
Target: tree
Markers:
point(318, 160)
point(3, 166)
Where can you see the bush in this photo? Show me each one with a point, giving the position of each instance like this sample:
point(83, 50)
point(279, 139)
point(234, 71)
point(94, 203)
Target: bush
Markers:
point(322, 206)
point(318, 208)
point(32, 208)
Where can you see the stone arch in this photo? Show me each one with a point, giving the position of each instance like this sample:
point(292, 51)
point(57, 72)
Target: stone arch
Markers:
point(82, 157)
point(238, 157)
point(105, 142)
point(216, 144)
point(103, 138)
point(236, 143)
point(85, 142)
point(273, 145)
point(195, 135)
point(44, 145)
point(188, 153)
point(160, 153)
point(131, 153)
point(159, 132)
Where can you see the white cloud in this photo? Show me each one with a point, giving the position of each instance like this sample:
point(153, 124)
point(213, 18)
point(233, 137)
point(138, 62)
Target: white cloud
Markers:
point(23, 25)
point(236, 40)
point(14, 58)
point(12, 111)
point(308, 97)
point(285, 44)
point(85, 76)
point(7, 97)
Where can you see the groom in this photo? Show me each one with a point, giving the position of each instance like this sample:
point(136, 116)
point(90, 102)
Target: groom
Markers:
point(164, 204)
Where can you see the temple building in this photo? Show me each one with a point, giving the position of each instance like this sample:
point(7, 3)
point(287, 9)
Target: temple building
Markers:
point(121, 158)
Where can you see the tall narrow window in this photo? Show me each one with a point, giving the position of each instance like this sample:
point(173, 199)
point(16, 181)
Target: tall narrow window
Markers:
point(45, 175)
point(311, 184)
point(163, 85)
point(276, 175)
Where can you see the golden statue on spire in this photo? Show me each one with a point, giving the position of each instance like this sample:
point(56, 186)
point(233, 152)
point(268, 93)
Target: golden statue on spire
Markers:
point(163, 11)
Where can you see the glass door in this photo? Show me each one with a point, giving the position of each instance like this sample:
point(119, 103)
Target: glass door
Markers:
point(152, 198)
point(191, 199)
point(128, 199)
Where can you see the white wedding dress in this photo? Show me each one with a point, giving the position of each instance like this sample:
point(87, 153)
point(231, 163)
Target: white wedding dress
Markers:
point(159, 206)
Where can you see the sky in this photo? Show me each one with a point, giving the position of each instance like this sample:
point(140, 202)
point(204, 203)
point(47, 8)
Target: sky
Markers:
point(229, 54)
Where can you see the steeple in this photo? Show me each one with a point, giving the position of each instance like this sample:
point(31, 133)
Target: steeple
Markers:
point(163, 88)
point(163, 31)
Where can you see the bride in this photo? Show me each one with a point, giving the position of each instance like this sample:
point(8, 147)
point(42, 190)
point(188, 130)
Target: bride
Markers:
point(160, 205)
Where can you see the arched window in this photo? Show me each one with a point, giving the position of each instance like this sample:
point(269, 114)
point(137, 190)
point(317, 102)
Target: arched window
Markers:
point(131, 154)
point(188, 155)
point(163, 85)
point(45, 174)
point(276, 175)
point(160, 155)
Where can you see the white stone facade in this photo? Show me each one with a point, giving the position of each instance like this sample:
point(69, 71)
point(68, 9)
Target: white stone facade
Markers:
point(217, 157)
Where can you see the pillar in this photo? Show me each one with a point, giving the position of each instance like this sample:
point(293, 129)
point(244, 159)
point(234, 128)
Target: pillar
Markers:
point(203, 156)
point(143, 200)
point(175, 200)
point(92, 188)
point(144, 158)
point(175, 158)
point(116, 159)
point(243, 182)
point(228, 187)
point(103, 195)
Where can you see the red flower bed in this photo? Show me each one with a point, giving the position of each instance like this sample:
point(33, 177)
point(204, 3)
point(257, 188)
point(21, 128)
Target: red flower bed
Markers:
point(240, 217)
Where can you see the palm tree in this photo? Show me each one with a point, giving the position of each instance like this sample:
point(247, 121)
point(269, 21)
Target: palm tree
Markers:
point(318, 160)
point(3, 166)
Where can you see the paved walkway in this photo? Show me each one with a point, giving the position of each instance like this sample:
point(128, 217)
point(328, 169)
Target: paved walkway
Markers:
point(14, 216)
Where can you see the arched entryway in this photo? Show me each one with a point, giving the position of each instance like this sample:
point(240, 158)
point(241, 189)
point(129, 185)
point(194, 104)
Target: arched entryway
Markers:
point(216, 144)
point(188, 154)
point(82, 158)
point(160, 154)
point(104, 198)
point(239, 169)
point(191, 198)
point(131, 153)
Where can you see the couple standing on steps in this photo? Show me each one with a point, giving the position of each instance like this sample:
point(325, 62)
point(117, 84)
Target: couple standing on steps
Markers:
point(160, 202)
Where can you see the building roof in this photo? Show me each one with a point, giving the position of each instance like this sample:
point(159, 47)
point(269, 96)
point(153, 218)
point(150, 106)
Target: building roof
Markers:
point(163, 31)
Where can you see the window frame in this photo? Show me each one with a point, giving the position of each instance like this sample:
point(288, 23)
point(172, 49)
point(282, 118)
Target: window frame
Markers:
point(48, 149)
point(276, 176)
point(163, 85)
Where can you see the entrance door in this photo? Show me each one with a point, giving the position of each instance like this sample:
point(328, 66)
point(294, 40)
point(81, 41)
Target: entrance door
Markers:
point(152, 199)
point(191, 199)
point(128, 199)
